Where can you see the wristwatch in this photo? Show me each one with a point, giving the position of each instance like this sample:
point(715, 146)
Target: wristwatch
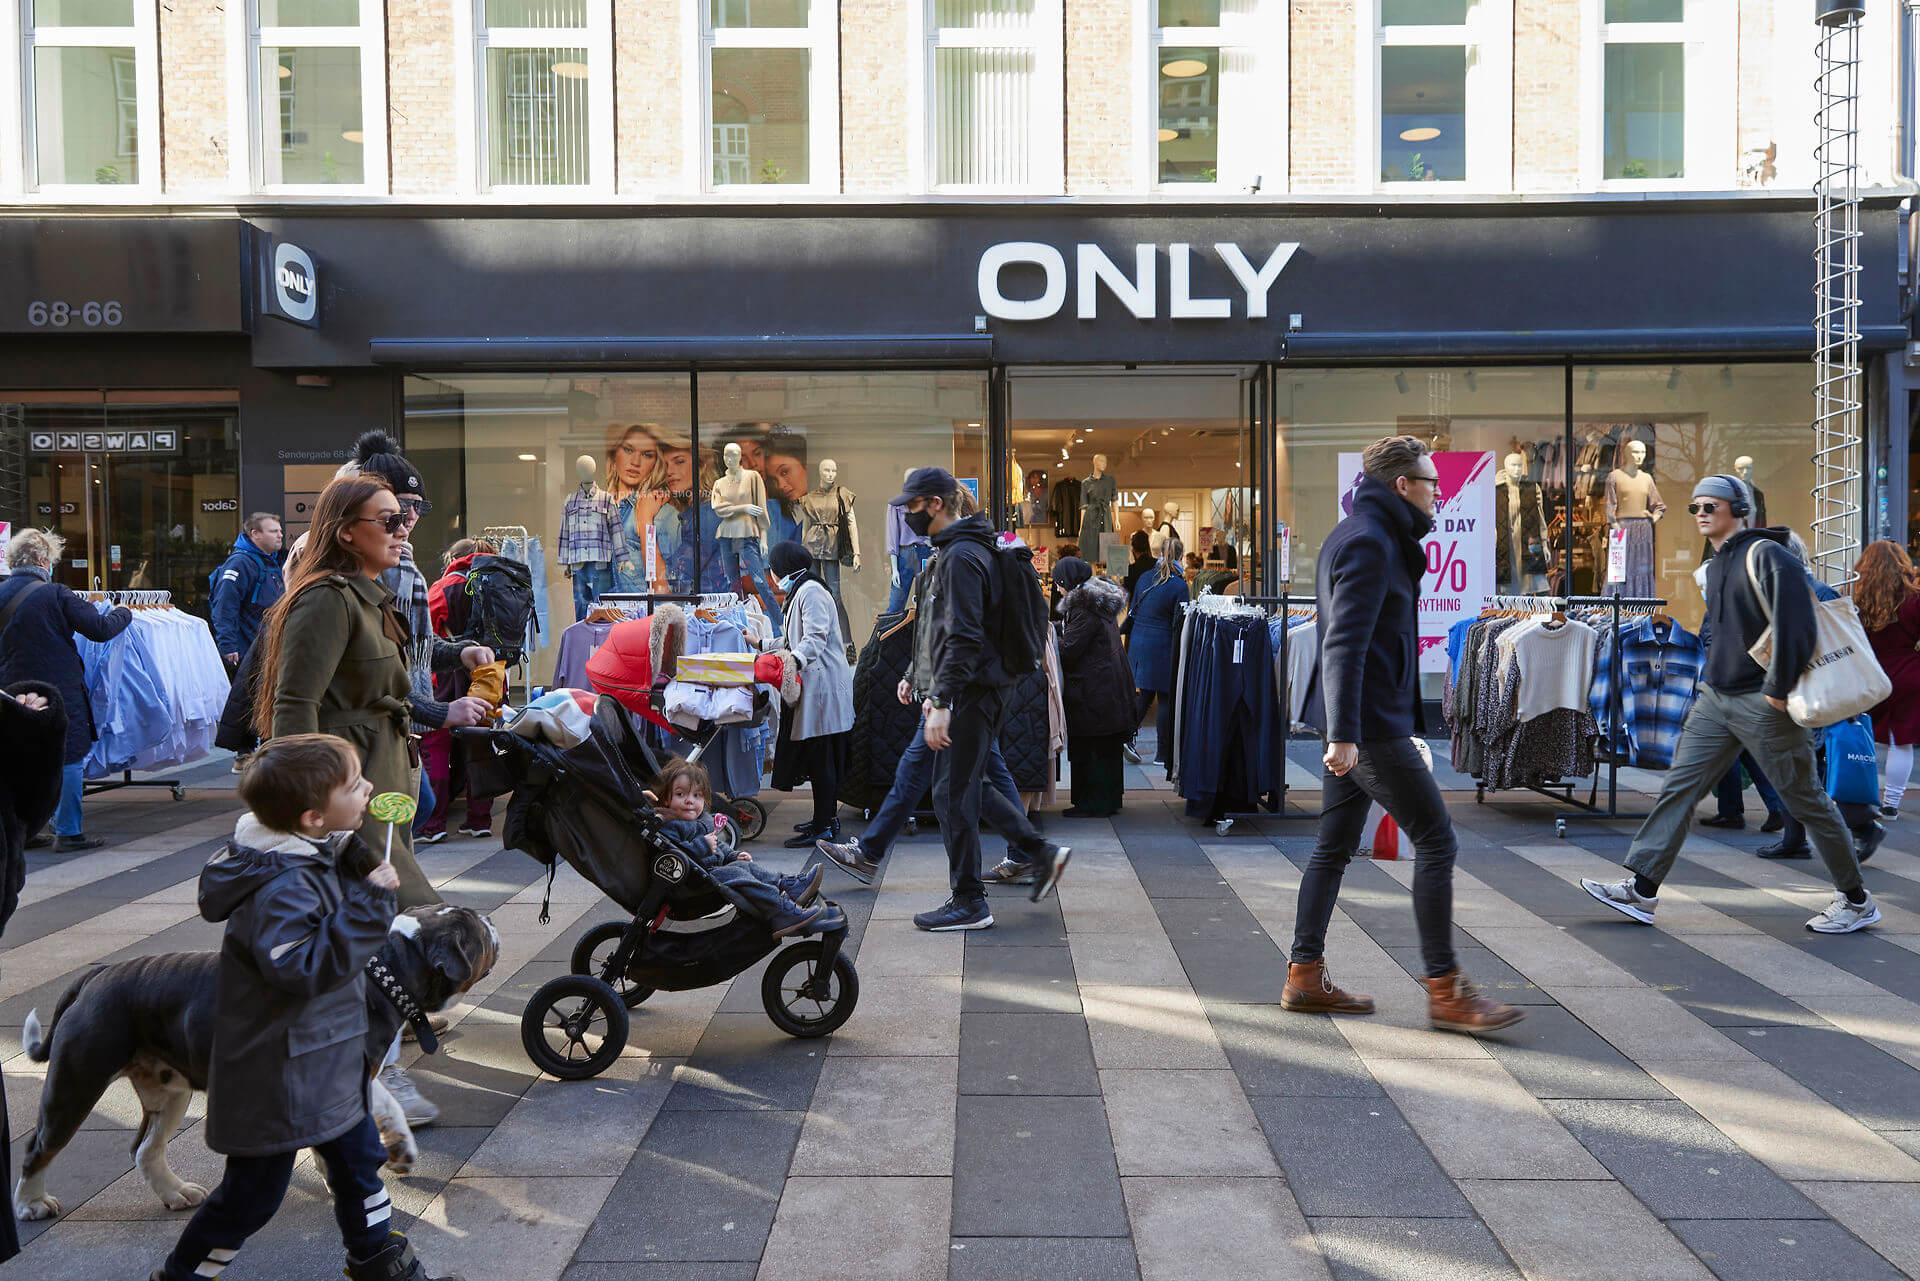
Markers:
point(939, 704)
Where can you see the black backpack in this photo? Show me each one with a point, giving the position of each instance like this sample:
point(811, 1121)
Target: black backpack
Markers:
point(502, 595)
point(1020, 624)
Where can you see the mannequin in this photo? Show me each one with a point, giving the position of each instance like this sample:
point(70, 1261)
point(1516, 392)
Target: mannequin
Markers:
point(1521, 557)
point(1099, 506)
point(739, 499)
point(828, 532)
point(1150, 522)
point(1634, 504)
point(586, 537)
point(1743, 466)
point(907, 554)
point(1170, 519)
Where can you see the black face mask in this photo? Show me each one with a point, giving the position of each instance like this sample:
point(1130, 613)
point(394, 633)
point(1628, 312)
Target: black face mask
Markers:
point(921, 523)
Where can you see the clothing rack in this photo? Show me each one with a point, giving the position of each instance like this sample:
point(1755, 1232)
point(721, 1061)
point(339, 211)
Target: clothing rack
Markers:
point(1616, 705)
point(141, 598)
point(1285, 600)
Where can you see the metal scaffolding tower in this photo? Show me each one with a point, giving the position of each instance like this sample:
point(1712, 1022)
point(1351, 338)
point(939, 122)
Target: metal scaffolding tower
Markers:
point(1838, 404)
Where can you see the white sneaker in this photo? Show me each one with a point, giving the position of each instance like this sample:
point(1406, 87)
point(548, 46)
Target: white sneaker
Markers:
point(1842, 917)
point(1622, 898)
point(413, 1105)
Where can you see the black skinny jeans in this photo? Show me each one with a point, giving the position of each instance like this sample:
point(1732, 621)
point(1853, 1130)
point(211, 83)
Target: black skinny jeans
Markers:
point(957, 773)
point(1392, 773)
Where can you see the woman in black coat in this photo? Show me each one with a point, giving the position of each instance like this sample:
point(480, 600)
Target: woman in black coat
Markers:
point(33, 726)
point(1098, 690)
point(36, 644)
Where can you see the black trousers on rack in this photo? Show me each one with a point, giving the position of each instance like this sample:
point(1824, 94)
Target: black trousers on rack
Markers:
point(1392, 773)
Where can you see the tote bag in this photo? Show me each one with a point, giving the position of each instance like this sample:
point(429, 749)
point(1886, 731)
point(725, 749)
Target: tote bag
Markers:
point(1853, 770)
point(1844, 679)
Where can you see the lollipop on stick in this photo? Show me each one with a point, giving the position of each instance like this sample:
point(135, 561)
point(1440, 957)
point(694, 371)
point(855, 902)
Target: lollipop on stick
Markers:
point(392, 808)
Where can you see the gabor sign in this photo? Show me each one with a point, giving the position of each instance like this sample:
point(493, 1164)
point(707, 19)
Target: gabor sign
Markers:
point(1138, 292)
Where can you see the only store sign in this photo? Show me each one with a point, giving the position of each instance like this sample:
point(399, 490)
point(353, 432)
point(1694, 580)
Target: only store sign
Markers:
point(1460, 552)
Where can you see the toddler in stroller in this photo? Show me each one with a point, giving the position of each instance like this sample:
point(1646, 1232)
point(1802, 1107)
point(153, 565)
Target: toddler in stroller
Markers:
point(785, 903)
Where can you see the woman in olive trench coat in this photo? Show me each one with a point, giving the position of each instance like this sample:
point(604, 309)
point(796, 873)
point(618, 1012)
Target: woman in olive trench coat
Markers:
point(334, 658)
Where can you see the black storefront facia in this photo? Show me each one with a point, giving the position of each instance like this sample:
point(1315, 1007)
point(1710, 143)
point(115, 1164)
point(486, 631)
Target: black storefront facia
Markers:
point(204, 301)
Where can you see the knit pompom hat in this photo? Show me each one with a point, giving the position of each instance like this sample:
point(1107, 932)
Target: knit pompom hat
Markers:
point(376, 453)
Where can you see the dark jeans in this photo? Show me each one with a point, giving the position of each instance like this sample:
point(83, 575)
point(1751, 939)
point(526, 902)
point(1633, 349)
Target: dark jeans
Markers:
point(957, 794)
point(757, 891)
point(914, 774)
point(1162, 721)
point(823, 770)
point(1727, 797)
point(253, 1187)
point(1392, 773)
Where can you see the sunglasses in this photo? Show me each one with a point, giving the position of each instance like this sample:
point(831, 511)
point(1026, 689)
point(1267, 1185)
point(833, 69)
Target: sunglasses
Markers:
point(1702, 509)
point(415, 507)
point(392, 522)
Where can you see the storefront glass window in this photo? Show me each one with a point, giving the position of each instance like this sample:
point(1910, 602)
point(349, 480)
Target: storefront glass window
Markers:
point(1688, 421)
point(310, 107)
point(1189, 135)
point(760, 116)
point(1645, 111)
point(510, 450)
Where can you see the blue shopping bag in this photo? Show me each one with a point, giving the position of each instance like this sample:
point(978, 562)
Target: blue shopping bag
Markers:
point(1853, 771)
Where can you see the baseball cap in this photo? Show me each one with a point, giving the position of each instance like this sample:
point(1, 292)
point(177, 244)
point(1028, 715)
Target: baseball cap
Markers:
point(925, 482)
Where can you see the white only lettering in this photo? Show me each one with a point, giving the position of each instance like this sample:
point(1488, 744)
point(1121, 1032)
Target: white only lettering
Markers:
point(1096, 271)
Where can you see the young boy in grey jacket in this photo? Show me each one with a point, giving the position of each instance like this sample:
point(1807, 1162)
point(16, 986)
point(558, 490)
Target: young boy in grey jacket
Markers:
point(306, 905)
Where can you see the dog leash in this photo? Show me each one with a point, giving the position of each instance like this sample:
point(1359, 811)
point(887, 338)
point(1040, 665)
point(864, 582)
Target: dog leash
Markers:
point(402, 1000)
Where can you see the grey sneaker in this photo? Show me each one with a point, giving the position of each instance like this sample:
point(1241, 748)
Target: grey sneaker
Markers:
point(1009, 871)
point(1622, 898)
point(851, 859)
point(1842, 917)
point(413, 1105)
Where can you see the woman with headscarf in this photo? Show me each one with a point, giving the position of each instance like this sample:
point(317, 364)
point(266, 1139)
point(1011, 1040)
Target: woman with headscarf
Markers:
point(1153, 620)
point(1096, 688)
point(812, 744)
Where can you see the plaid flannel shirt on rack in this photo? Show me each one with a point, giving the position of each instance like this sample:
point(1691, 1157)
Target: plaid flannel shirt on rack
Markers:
point(586, 527)
point(1663, 665)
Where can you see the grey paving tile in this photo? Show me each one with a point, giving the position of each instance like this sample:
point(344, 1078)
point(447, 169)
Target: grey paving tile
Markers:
point(661, 1272)
point(1035, 1167)
point(743, 1061)
point(1036, 1054)
point(1356, 1158)
point(1019, 980)
point(1677, 1163)
point(1020, 923)
point(1292, 1055)
point(1245, 972)
point(1491, 974)
point(1716, 993)
point(1214, 1229)
point(1556, 1056)
point(1872, 1085)
point(1783, 1250)
point(1042, 1259)
point(1183, 1122)
point(817, 1233)
point(1580, 1230)
point(1411, 1250)
point(704, 1186)
point(63, 1251)
point(880, 1117)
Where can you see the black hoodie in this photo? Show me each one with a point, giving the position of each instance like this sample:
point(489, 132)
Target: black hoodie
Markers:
point(1736, 616)
point(953, 651)
point(1366, 687)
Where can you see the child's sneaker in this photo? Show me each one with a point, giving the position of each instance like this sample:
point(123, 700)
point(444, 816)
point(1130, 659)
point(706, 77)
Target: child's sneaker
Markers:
point(805, 888)
point(798, 920)
point(395, 1263)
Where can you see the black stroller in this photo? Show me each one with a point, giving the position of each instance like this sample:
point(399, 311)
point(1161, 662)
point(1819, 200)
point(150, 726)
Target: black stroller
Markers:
point(586, 804)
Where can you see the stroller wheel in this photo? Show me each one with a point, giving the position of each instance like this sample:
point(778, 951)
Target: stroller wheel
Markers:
point(574, 1028)
point(749, 815)
point(791, 991)
point(591, 954)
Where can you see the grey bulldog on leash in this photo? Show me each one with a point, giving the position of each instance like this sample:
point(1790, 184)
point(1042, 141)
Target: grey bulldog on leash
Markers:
point(151, 1020)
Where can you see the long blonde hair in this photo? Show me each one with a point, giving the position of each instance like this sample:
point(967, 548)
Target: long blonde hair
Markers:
point(325, 555)
point(616, 437)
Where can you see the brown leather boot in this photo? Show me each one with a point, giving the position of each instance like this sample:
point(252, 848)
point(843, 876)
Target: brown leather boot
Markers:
point(1311, 990)
point(1455, 1005)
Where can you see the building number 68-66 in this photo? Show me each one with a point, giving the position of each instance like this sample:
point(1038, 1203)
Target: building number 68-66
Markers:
point(58, 315)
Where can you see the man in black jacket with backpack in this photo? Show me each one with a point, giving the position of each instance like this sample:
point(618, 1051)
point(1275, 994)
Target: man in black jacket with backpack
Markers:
point(961, 661)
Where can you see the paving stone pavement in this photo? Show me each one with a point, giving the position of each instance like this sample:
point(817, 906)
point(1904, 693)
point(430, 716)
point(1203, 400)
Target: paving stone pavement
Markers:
point(1103, 1087)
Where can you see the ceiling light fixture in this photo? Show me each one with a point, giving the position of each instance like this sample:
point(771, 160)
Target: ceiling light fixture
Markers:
point(286, 72)
point(1183, 68)
point(570, 70)
point(1400, 383)
point(1168, 135)
point(1419, 133)
point(352, 135)
point(529, 458)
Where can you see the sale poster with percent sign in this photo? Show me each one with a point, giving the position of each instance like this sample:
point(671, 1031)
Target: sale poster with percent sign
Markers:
point(1460, 566)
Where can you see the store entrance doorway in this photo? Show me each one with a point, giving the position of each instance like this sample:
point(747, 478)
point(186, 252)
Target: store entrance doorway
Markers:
point(144, 486)
point(1100, 454)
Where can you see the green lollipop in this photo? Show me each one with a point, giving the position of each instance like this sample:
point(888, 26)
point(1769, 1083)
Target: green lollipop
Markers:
point(392, 808)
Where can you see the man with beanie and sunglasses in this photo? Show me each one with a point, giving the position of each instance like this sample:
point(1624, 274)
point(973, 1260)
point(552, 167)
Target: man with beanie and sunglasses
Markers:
point(1753, 581)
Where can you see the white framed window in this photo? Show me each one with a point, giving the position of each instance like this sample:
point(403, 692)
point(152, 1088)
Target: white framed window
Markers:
point(990, 90)
point(1434, 95)
point(765, 115)
point(1214, 112)
point(1659, 94)
point(87, 99)
point(314, 109)
point(540, 81)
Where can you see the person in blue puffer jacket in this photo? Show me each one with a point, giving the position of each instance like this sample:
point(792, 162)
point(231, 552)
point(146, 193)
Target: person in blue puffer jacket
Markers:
point(247, 585)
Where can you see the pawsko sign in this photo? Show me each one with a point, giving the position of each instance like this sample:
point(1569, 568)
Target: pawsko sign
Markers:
point(1096, 280)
